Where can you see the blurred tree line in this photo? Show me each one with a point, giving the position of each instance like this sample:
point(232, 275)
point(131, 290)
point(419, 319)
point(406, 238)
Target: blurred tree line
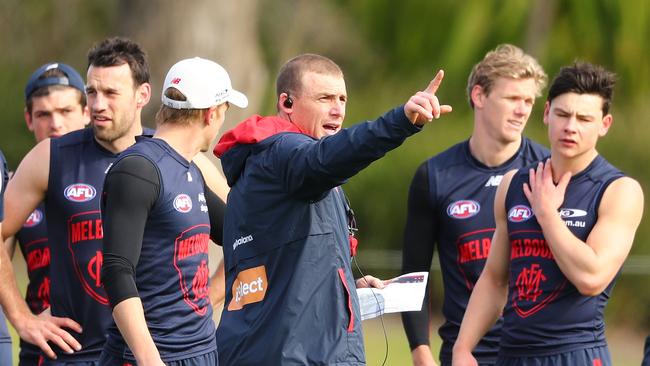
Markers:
point(387, 49)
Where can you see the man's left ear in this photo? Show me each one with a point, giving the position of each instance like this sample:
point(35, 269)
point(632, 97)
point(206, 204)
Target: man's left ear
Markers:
point(607, 123)
point(143, 95)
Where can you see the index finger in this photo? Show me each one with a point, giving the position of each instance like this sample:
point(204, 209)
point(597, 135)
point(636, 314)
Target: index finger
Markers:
point(435, 83)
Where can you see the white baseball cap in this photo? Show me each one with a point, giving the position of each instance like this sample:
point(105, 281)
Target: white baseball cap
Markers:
point(203, 82)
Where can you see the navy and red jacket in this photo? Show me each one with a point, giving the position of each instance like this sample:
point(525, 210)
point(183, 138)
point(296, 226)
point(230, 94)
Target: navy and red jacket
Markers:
point(290, 291)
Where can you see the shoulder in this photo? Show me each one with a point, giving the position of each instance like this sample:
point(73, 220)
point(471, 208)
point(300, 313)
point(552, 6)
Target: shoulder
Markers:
point(75, 137)
point(453, 156)
point(135, 165)
point(534, 151)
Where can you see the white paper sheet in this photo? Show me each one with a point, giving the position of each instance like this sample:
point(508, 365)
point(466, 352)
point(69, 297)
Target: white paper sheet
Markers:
point(403, 293)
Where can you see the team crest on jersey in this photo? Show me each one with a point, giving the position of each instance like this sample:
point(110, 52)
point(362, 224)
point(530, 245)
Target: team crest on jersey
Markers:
point(520, 213)
point(34, 219)
point(183, 203)
point(80, 192)
point(463, 209)
point(85, 236)
point(536, 288)
point(191, 263)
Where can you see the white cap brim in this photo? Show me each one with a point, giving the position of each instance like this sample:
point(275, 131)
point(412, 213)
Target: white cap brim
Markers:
point(237, 98)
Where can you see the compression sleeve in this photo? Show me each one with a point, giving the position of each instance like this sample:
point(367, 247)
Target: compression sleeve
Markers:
point(216, 211)
point(417, 252)
point(131, 188)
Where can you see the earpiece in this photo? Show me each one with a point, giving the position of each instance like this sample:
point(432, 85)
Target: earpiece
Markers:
point(288, 103)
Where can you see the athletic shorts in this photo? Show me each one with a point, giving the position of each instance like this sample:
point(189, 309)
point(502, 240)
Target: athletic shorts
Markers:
point(5, 353)
point(208, 359)
point(596, 356)
point(31, 360)
point(49, 362)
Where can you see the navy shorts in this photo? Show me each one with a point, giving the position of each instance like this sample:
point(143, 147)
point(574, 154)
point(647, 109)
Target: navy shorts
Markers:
point(208, 359)
point(49, 362)
point(31, 360)
point(596, 356)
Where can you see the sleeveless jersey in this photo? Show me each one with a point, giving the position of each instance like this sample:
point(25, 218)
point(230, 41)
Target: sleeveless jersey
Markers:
point(78, 166)
point(33, 241)
point(461, 193)
point(545, 313)
point(4, 178)
point(172, 272)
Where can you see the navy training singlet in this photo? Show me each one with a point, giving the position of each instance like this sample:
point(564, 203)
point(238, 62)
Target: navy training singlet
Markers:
point(545, 314)
point(33, 241)
point(172, 275)
point(78, 165)
point(460, 201)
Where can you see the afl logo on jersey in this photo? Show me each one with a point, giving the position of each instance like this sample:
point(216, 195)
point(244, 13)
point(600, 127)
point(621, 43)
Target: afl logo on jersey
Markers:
point(183, 203)
point(34, 218)
point(520, 213)
point(80, 192)
point(463, 209)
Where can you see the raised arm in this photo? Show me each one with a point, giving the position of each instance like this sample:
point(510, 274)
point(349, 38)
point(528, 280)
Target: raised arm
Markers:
point(490, 293)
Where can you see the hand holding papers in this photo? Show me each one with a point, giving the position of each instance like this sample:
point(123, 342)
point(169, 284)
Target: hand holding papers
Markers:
point(403, 293)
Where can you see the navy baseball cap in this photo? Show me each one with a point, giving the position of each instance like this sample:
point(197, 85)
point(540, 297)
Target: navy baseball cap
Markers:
point(71, 78)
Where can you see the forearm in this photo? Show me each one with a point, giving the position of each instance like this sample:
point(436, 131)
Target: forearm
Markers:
point(217, 291)
point(11, 300)
point(129, 318)
point(485, 307)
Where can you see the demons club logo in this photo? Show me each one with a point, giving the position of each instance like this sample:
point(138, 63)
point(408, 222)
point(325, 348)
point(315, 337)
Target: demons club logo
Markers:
point(34, 219)
point(520, 213)
point(79, 192)
point(191, 263)
point(183, 203)
point(463, 209)
point(85, 234)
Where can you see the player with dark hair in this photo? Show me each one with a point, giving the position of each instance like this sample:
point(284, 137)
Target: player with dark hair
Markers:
point(564, 227)
point(451, 196)
point(55, 104)
point(68, 173)
point(156, 273)
point(290, 295)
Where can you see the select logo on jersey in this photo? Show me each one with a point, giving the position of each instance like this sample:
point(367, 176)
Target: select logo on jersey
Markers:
point(520, 213)
point(191, 263)
point(80, 192)
point(85, 235)
point(249, 287)
point(463, 209)
point(183, 203)
point(34, 219)
point(566, 213)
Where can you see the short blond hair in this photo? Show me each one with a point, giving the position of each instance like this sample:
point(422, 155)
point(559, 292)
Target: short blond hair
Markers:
point(178, 116)
point(505, 61)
